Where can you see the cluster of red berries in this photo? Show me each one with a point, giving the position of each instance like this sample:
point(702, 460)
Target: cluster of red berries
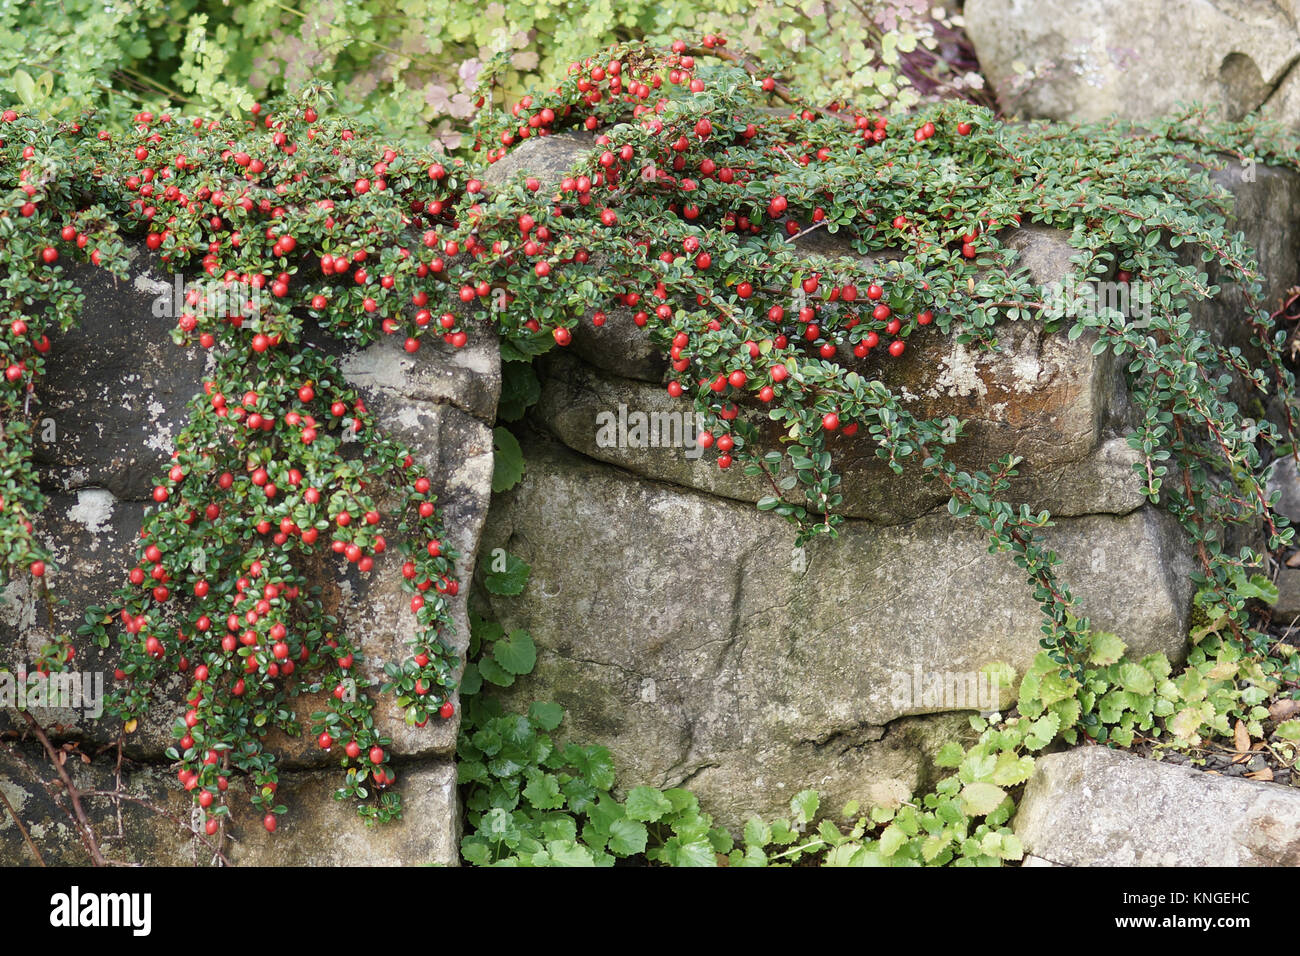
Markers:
point(685, 165)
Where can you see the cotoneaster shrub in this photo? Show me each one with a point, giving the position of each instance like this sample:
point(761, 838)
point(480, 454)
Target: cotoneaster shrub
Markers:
point(682, 211)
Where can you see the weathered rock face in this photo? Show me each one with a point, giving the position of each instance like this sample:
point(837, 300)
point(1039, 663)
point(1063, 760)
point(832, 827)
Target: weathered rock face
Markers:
point(1088, 60)
point(114, 399)
point(1098, 807)
point(1074, 464)
point(683, 630)
point(1265, 208)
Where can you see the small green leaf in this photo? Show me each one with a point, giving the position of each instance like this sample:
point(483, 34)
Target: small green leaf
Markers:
point(508, 460)
point(804, 806)
point(627, 837)
point(506, 575)
point(979, 799)
point(545, 714)
point(1288, 730)
point(517, 654)
point(646, 804)
point(494, 673)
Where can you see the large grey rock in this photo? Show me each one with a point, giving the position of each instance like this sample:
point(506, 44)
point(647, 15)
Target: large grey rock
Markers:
point(91, 534)
point(1065, 59)
point(548, 159)
point(685, 632)
point(1093, 806)
point(318, 830)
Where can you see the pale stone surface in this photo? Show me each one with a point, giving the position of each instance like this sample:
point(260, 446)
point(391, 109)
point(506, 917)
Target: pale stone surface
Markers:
point(683, 631)
point(1090, 59)
point(546, 158)
point(445, 417)
point(1093, 806)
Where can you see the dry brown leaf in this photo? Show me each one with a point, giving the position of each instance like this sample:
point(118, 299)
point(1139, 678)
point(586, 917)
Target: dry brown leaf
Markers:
point(1293, 561)
point(1284, 709)
point(1241, 736)
point(1265, 774)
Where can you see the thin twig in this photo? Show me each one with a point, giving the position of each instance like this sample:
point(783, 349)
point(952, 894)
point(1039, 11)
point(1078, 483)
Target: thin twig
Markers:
point(74, 796)
point(22, 829)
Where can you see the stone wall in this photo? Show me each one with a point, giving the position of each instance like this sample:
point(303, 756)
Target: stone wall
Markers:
point(675, 622)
